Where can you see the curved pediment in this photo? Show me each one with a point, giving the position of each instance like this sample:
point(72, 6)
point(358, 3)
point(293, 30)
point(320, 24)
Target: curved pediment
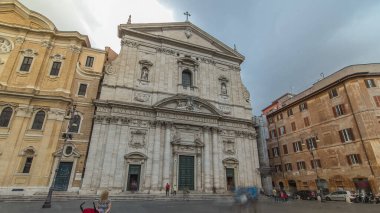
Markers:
point(188, 103)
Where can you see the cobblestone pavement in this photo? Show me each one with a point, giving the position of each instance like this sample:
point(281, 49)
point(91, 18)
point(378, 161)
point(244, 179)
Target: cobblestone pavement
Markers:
point(264, 205)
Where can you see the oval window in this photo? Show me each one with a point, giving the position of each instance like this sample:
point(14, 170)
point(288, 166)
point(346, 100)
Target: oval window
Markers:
point(68, 150)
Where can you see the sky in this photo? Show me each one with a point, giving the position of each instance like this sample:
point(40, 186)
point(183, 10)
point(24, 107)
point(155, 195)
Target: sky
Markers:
point(288, 44)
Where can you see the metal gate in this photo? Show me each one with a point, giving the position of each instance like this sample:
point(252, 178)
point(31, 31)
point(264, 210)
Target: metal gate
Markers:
point(63, 176)
point(186, 172)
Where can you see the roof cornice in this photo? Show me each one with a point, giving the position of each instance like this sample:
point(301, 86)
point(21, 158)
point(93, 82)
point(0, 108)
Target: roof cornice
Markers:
point(132, 29)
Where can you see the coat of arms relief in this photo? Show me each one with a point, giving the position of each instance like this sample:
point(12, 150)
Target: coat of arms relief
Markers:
point(138, 138)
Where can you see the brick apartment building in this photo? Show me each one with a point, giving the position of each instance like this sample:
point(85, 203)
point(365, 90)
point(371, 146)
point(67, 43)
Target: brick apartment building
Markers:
point(329, 134)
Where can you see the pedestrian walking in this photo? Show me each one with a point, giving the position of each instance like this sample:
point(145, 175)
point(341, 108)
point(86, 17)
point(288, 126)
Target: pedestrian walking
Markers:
point(167, 188)
point(104, 203)
point(174, 189)
point(274, 194)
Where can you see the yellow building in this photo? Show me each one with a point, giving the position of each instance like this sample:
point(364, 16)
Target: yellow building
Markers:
point(42, 72)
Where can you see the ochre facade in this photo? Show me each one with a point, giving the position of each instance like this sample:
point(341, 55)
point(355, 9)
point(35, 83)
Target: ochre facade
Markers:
point(336, 121)
point(43, 71)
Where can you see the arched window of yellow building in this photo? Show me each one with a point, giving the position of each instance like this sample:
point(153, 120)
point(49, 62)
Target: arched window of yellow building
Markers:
point(5, 116)
point(38, 121)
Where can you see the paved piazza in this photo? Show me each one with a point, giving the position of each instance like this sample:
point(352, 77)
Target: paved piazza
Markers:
point(169, 206)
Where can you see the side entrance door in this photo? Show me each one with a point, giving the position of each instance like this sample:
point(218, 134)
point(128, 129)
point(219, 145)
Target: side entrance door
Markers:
point(63, 176)
point(133, 177)
point(186, 172)
point(230, 179)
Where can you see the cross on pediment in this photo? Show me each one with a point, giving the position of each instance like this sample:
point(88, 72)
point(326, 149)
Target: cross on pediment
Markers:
point(187, 14)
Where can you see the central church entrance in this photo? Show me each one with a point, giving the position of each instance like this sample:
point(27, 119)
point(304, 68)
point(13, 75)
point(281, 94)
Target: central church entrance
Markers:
point(186, 172)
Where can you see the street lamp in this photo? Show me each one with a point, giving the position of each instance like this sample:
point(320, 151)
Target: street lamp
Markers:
point(311, 148)
point(67, 135)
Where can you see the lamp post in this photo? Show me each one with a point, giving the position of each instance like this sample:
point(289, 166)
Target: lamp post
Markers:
point(311, 148)
point(67, 135)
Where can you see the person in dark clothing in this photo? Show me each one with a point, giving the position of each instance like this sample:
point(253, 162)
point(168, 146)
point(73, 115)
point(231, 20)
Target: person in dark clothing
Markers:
point(167, 188)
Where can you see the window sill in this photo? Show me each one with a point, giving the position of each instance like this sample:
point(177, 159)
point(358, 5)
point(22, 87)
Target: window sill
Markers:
point(22, 174)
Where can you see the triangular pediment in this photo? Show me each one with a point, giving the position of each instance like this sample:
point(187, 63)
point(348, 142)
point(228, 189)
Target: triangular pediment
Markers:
point(187, 104)
point(181, 32)
point(13, 12)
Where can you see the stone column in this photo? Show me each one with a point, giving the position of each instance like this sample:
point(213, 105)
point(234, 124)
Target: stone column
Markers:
point(156, 157)
point(199, 170)
point(167, 155)
point(215, 157)
point(108, 160)
point(149, 163)
point(207, 166)
point(255, 158)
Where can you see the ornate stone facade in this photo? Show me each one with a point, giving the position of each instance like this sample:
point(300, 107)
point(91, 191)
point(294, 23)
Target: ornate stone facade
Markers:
point(173, 110)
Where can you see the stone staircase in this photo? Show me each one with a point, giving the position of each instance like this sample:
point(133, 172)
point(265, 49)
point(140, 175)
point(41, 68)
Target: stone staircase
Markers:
point(67, 196)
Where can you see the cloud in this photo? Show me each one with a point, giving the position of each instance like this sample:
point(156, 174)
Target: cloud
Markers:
point(287, 44)
point(99, 20)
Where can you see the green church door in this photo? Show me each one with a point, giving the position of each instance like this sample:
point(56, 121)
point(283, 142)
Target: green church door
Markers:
point(63, 176)
point(186, 172)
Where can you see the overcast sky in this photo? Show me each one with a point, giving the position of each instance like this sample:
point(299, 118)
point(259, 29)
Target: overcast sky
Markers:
point(287, 43)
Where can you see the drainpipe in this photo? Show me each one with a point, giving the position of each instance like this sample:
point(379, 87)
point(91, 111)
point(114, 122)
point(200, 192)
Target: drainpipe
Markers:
point(279, 152)
point(357, 126)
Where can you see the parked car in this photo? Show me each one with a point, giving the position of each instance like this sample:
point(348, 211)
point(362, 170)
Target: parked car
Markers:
point(306, 194)
point(340, 195)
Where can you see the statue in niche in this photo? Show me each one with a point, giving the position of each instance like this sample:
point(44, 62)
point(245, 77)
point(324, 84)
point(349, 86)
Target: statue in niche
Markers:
point(145, 74)
point(198, 140)
point(224, 89)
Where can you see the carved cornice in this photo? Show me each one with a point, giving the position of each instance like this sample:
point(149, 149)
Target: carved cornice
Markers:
point(29, 52)
point(166, 51)
point(57, 57)
point(47, 44)
point(207, 61)
point(233, 67)
point(129, 43)
point(20, 40)
point(75, 49)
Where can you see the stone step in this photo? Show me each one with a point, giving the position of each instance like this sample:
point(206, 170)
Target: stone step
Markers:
point(65, 196)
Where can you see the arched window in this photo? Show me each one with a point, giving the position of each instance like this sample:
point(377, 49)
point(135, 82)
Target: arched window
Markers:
point(39, 119)
point(186, 78)
point(5, 116)
point(75, 124)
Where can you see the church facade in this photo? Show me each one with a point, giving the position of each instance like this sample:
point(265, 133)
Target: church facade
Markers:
point(172, 109)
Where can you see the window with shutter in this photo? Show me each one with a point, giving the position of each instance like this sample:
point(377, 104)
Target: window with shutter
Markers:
point(353, 159)
point(346, 135)
point(303, 106)
point(306, 121)
point(285, 148)
point(338, 110)
point(288, 167)
point(333, 93)
point(290, 112)
point(377, 100)
point(370, 83)
point(294, 128)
